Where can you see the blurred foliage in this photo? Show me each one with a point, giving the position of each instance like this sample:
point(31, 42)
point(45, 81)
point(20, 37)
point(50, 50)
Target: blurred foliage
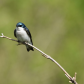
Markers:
point(57, 28)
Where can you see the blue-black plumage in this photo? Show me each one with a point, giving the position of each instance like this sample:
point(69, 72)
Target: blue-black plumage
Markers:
point(23, 34)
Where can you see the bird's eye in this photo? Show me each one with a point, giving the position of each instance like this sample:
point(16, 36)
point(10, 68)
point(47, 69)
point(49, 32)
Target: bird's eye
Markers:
point(20, 25)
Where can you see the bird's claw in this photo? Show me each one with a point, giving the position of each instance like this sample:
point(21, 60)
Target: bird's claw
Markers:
point(18, 44)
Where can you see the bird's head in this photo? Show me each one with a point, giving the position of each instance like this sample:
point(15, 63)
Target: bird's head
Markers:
point(20, 24)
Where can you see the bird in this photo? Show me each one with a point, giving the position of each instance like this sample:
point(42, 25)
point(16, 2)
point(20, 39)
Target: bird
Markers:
point(23, 34)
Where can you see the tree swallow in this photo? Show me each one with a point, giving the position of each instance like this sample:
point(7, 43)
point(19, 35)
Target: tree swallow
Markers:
point(23, 34)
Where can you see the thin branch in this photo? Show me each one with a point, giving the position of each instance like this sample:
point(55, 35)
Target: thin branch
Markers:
point(71, 80)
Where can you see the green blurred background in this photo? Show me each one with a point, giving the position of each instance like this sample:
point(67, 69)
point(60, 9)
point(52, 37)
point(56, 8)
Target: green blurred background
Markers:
point(57, 28)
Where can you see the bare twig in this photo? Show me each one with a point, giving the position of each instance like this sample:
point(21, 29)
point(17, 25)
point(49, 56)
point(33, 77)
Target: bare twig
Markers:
point(71, 80)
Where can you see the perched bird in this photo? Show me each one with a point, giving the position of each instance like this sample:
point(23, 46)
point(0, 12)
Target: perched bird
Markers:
point(23, 34)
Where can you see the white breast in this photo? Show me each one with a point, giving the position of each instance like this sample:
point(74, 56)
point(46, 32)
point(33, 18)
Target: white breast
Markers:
point(22, 35)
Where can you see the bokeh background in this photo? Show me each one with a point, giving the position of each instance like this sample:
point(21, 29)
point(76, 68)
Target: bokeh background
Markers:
point(57, 28)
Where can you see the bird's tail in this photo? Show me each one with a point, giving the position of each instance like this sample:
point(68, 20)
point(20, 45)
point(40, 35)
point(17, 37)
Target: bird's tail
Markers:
point(29, 48)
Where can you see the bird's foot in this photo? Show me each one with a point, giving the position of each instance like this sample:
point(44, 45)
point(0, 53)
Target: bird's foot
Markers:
point(18, 44)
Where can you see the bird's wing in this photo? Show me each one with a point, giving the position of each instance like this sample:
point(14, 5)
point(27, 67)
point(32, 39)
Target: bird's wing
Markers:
point(29, 34)
point(15, 33)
